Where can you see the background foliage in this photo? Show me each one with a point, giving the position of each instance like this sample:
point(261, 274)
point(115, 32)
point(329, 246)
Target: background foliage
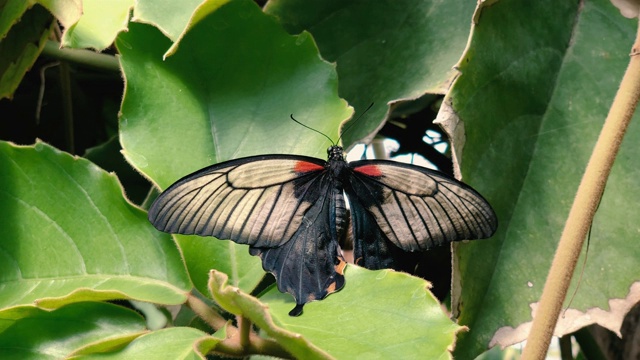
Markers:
point(529, 85)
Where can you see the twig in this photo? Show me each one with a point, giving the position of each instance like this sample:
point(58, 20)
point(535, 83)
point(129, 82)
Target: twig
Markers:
point(245, 331)
point(211, 317)
point(43, 69)
point(239, 342)
point(67, 106)
point(80, 56)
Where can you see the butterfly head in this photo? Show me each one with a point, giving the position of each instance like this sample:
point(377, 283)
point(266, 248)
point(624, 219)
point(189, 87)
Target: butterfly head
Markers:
point(335, 152)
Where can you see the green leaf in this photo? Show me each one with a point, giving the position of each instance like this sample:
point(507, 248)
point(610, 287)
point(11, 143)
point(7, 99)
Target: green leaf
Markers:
point(204, 253)
point(237, 302)
point(109, 157)
point(99, 24)
point(67, 12)
point(23, 33)
point(231, 98)
point(171, 17)
point(54, 335)
point(69, 235)
point(386, 51)
point(536, 85)
point(172, 343)
point(12, 12)
point(224, 100)
point(378, 314)
point(101, 21)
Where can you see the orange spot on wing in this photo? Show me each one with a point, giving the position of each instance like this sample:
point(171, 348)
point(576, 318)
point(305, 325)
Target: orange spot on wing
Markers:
point(305, 167)
point(340, 267)
point(370, 170)
point(331, 288)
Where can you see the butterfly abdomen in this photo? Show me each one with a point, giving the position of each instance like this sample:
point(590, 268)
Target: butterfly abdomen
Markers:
point(339, 217)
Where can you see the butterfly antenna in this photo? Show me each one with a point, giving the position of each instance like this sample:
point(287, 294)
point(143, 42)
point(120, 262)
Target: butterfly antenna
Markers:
point(310, 128)
point(353, 122)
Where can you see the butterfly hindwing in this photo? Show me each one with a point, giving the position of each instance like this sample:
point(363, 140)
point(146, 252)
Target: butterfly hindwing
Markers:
point(310, 265)
point(371, 248)
point(256, 200)
point(413, 207)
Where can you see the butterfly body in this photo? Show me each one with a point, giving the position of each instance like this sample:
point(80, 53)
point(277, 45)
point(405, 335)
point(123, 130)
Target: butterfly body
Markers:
point(291, 211)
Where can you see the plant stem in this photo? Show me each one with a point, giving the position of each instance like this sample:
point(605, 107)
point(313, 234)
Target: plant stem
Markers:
point(583, 208)
point(245, 331)
point(257, 345)
point(80, 56)
point(67, 106)
point(267, 347)
point(208, 315)
point(238, 343)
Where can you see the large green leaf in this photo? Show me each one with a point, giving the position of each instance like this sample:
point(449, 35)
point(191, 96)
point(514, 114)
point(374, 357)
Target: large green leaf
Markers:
point(175, 343)
point(377, 315)
point(23, 33)
point(171, 17)
point(55, 335)
point(108, 156)
point(99, 24)
point(70, 235)
point(536, 85)
point(101, 21)
point(227, 91)
point(386, 51)
point(204, 253)
point(12, 12)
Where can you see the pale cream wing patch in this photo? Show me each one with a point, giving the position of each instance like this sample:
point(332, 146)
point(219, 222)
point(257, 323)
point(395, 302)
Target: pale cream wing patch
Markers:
point(249, 202)
point(417, 208)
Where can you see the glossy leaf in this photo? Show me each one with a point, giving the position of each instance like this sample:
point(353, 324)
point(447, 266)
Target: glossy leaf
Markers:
point(403, 319)
point(99, 24)
point(171, 343)
point(70, 236)
point(54, 335)
point(108, 156)
point(385, 51)
point(23, 33)
point(173, 16)
point(66, 11)
point(536, 85)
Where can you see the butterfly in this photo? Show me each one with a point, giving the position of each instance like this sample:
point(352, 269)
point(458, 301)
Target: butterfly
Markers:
point(291, 212)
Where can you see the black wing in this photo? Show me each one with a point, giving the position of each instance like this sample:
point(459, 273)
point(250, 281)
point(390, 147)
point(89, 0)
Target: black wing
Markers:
point(310, 265)
point(283, 206)
point(400, 206)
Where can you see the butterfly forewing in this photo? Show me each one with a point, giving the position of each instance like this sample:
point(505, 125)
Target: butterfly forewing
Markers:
point(417, 208)
point(255, 200)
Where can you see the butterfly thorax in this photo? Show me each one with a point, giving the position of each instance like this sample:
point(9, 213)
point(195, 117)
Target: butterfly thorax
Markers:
point(337, 164)
point(335, 152)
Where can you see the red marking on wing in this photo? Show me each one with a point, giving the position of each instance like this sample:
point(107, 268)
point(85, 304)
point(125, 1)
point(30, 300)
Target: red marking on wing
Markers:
point(305, 167)
point(370, 170)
